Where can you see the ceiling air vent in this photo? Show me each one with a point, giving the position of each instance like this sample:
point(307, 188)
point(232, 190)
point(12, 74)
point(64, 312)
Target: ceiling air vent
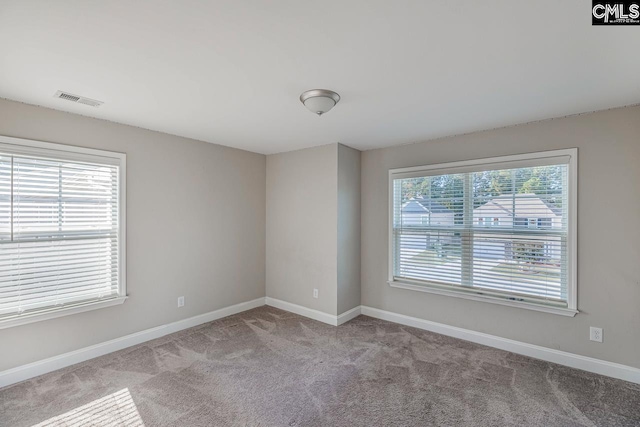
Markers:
point(78, 99)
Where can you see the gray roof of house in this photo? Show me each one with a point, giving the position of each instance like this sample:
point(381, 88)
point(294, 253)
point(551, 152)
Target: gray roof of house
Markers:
point(422, 204)
point(525, 205)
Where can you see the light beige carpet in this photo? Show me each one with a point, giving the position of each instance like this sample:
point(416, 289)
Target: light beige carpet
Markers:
point(268, 367)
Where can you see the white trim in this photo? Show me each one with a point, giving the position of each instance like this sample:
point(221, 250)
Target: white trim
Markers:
point(484, 298)
point(589, 364)
point(53, 312)
point(318, 315)
point(25, 372)
point(122, 225)
point(572, 237)
point(391, 255)
point(567, 156)
point(58, 151)
point(348, 315)
point(562, 156)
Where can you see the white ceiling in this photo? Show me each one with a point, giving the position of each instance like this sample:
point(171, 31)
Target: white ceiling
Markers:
point(230, 72)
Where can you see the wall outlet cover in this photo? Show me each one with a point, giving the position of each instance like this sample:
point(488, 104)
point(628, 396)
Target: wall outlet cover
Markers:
point(595, 334)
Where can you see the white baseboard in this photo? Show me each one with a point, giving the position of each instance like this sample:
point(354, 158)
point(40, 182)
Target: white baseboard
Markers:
point(318, 315)
point(348, 315)
point(24, 372)
point(597, 366)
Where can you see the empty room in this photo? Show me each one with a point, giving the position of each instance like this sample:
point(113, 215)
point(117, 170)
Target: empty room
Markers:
point(300, 213)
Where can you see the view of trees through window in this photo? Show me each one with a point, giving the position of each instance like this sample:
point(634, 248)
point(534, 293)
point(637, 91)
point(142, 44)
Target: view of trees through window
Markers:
point(546, 181)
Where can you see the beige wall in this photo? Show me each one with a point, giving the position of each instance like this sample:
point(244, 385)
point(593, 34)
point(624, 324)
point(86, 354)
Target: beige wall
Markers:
point(302, 210)
point(195, 227)
point(608, 234)
point(348, 228)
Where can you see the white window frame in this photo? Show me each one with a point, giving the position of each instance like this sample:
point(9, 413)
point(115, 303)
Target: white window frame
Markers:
point(563, 156)
point(18, 146)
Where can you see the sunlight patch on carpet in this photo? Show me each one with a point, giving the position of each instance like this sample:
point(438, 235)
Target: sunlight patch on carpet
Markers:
point(116, 409)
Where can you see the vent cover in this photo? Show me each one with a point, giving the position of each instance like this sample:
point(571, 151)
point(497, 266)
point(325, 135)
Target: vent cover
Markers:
point(77, 99)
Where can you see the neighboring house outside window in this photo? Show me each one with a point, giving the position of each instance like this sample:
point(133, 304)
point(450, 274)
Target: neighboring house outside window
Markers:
point(545, 222)
point(423, 211)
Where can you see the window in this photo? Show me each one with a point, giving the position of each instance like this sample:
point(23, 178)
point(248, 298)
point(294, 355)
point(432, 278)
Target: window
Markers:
point(522, 222)
point(511, 238)
point(61, 230)
point(544, 222)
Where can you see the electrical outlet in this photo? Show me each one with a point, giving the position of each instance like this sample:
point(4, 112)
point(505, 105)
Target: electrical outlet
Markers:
point(595, 334)
point(180, 301)
point(315, 293)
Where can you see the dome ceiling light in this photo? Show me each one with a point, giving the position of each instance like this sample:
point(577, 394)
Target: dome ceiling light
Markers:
point(319, 101)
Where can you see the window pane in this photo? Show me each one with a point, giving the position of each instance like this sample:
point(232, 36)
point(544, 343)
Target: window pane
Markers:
point(424, 203)
point(520, 198)
point(55, 199)
point(526, 265)
point(433, 256)
point(49, 273)
point(432, 200)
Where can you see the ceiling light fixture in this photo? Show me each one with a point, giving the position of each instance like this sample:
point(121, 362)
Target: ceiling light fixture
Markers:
point(319, 101)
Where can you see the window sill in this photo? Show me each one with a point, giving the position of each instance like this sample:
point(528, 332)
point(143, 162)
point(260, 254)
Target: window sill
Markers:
point(484, 298)
point(51, 313)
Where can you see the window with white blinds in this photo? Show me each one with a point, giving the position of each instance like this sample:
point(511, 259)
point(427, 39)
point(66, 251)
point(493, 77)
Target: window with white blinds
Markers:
point(500, 229)
point(61, 229)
